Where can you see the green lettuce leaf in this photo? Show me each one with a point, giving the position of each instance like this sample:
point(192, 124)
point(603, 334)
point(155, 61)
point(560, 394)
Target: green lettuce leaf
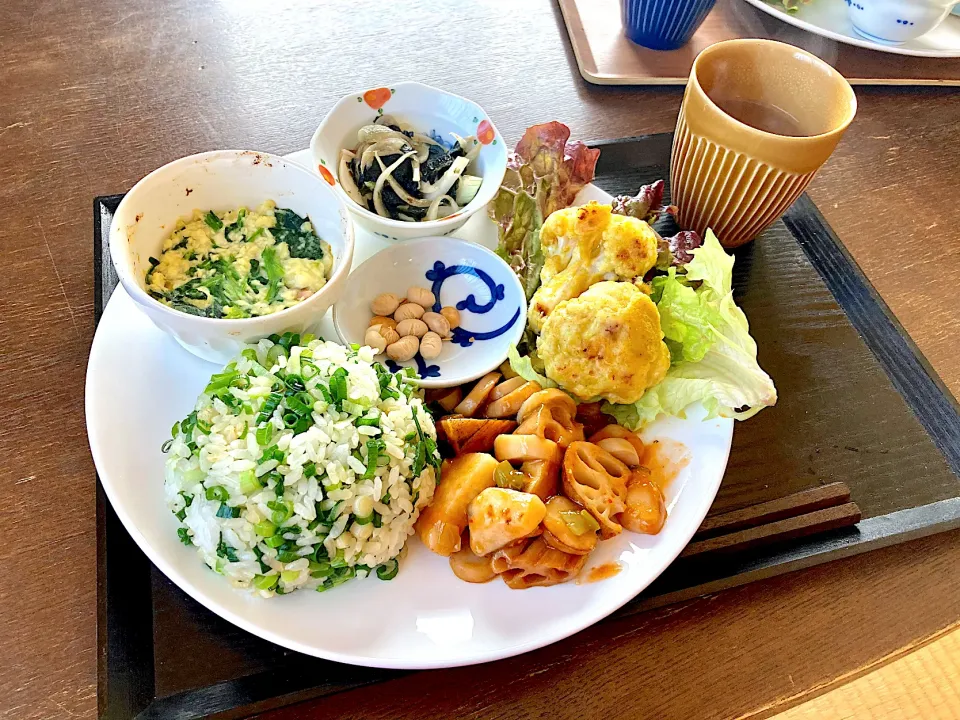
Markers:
point(672, 396)
point(520, 236)
point(714, 357)
point(523, 366)
point(686, 317)
point(713, 266)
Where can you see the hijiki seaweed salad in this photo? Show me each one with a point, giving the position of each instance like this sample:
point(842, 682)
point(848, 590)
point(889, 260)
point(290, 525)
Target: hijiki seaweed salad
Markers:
point(403, 174)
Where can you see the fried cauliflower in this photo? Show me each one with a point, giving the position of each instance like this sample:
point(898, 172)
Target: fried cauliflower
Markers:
point(585, 245)
point(606, 343)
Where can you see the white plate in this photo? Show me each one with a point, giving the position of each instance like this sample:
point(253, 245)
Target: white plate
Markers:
point(139, 381)
point(828, 18)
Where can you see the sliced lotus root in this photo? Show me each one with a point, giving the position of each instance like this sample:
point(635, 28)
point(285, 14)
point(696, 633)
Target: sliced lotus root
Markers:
point(470, 567)
point(596, 480)
point(553, 423)
point(531, 563)
point(521, 448)
point(551, 396)
point(622, 450)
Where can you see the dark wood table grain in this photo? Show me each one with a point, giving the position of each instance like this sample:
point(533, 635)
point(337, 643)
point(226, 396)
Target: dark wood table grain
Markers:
point(96, 94)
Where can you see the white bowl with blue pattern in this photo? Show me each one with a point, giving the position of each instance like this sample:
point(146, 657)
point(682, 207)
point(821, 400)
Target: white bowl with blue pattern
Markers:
point(894, 22)
point(469, 277)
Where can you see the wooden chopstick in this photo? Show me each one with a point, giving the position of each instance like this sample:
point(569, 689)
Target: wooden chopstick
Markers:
point(793, 516)
point(787, 506)
point(782, 530)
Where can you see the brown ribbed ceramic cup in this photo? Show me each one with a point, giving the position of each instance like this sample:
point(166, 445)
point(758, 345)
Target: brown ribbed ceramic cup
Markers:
point(758, 120)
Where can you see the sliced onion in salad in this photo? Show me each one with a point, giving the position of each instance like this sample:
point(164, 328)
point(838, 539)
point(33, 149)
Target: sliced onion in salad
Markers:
point(347, 182)
point(470, 146)
point(397, 187)
point(435, 210)
point(443, 185)
point(403, 174)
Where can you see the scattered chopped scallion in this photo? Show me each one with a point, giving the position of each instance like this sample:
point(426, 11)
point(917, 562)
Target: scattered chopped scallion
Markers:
point(213, 221)
point(265, 582)
point(225, 511)
point(264, 434)
point(338, 386)
point(217, 492)
point(249, 483)
point(265, 528)
point(388, 570)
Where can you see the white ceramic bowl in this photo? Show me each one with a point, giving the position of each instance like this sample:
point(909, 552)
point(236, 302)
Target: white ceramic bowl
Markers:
point(430, 111)
point(894, 22)
point(493, 308)
point(224, 180)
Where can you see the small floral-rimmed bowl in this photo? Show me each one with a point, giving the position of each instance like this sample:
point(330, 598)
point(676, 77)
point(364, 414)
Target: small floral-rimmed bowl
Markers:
point(469, 277)
point(433, 112)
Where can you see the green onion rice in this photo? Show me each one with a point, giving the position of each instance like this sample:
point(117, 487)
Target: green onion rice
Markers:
point(301, 480)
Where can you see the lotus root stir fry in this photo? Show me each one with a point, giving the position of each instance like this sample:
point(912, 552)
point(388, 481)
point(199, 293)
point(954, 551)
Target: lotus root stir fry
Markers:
point(534, 482)
point(402, 174)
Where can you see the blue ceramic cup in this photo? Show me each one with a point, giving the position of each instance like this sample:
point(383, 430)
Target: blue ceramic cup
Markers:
point(663, 24)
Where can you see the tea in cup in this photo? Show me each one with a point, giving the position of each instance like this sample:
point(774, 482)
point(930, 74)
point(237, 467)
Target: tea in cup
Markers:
point(757, 121)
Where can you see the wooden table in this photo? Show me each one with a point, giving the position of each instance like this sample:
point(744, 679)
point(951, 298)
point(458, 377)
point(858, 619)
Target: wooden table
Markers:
point(95, 95)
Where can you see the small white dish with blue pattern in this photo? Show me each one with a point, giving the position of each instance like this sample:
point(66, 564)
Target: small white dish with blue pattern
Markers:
point(894, 22)
point(835, 19)
point(469, 277)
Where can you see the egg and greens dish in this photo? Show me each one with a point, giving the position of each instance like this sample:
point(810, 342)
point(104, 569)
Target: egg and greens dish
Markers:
point(239, 263)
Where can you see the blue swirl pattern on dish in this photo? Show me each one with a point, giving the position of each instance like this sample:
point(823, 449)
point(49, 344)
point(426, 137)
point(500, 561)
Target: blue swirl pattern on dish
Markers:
point(465, 338)
point(439, 274)
point(423, 370)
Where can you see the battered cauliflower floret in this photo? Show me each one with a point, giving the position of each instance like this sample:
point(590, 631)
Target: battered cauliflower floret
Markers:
point(585, 245)
point(606, 343)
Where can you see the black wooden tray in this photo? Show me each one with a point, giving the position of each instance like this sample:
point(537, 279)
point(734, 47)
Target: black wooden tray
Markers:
point(858, 404)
